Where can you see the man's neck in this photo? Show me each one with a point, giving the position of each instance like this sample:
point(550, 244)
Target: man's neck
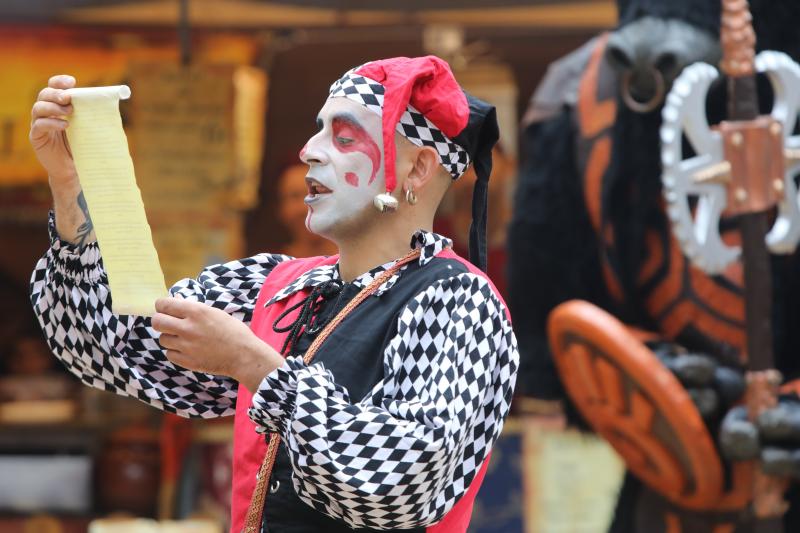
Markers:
point(356, 258)
point(367, 250)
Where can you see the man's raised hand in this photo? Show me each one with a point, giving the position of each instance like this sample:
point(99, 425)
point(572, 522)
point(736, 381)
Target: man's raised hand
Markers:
point(48, 129)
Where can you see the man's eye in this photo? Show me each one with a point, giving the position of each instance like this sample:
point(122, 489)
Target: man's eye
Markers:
point(344, 140)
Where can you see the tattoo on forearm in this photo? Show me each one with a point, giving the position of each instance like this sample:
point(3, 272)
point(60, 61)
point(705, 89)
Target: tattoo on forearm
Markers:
point(85, 229)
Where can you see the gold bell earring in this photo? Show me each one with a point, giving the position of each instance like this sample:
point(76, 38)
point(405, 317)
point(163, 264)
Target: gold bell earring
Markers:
point(411, 198)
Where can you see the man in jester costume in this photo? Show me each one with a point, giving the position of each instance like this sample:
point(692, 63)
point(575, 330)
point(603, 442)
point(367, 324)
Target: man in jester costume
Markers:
point(368, 387)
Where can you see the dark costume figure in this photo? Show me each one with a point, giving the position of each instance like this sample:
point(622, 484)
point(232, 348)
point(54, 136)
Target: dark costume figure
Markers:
point(589, 223)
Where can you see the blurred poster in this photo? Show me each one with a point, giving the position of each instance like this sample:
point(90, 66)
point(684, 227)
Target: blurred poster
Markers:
point(197, 136)
point(250, 107)
point(573, 481)
point(26, 65)
point(188, 240)
point(181, 127)
point(29, 58)
point(543, 479)
point(495, 83)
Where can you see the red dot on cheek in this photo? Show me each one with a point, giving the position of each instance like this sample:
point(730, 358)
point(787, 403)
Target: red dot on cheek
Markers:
point(351, 178)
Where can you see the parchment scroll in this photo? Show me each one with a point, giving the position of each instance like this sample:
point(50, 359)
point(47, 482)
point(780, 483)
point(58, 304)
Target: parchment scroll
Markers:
point(105, 169)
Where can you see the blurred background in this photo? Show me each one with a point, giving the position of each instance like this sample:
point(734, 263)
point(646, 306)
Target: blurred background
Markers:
point(225, 92)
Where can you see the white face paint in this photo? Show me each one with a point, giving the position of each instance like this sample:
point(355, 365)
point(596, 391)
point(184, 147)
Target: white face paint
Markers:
point(345, 160)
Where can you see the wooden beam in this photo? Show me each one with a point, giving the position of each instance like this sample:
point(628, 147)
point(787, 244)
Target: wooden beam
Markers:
point(245, 14)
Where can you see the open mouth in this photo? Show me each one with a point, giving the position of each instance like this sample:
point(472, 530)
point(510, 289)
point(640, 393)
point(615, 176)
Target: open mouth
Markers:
point(315, 189)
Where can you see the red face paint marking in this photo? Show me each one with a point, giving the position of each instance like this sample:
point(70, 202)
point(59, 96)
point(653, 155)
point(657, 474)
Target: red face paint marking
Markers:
point(303, 152)
point(356, 139)
point(308, 218)
point(351, 178)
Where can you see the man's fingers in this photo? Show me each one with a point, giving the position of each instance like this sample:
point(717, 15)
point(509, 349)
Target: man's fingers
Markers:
point(176, 307)
point(175, 356)
point(57, 96)
point(181, 359)
point(41, 126)
point(164, 323)
point(169, 342)
point(61, 81)
point(45, 109)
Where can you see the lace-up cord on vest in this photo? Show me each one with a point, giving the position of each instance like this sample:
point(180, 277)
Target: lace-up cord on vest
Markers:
point(309, 309)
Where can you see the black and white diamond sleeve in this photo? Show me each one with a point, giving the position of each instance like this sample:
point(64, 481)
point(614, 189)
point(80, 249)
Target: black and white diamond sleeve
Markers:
point(120, 353)
point(403, 456)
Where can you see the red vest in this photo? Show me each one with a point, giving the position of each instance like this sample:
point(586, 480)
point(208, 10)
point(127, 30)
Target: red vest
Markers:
point(249, 447)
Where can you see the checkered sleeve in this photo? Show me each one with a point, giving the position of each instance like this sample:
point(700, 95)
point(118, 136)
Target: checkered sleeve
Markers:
point(120, 353)
point(404, 455)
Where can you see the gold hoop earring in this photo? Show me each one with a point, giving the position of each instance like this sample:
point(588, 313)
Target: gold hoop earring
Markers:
point(411, 198)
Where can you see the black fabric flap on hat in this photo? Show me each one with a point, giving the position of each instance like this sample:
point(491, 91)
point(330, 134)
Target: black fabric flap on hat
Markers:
point(478, 138)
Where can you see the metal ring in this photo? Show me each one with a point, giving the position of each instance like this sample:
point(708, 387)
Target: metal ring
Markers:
point(654, 102)
point(275, 486)
point(411, 198)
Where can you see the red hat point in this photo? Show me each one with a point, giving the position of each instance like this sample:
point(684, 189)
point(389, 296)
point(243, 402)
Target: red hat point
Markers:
point(427, 84)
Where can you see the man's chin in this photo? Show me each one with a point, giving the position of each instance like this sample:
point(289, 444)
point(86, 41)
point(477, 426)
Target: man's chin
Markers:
point(335, 230)
point(315, 231)
point(323, 228)
point(329, 221)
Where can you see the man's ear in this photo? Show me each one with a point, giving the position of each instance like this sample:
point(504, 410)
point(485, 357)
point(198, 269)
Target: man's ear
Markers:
point(424, 168)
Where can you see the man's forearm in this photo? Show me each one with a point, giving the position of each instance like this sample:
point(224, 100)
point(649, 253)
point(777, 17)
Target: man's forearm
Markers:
point(72, 214)
point(262, 360)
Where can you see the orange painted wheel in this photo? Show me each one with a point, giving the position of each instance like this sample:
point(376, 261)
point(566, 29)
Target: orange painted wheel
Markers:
point(636, 404)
